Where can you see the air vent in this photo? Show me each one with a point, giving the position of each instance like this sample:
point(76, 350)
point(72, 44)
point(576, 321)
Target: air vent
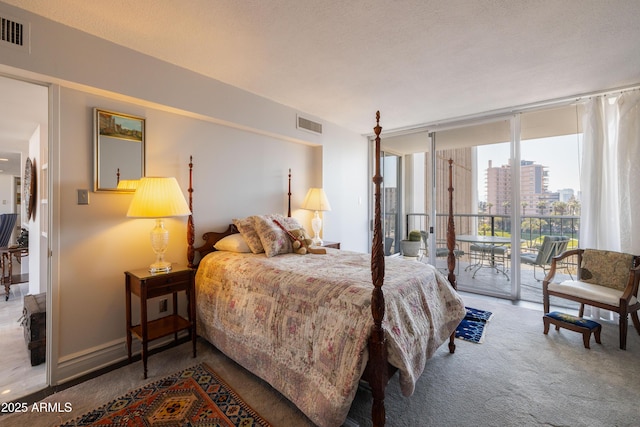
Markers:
point(13, 33)
point(309, 125)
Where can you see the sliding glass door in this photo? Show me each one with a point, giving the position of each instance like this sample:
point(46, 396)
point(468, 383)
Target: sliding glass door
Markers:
point(391, 190)
point(515, 180)
point(550, 152)
point(482, 200)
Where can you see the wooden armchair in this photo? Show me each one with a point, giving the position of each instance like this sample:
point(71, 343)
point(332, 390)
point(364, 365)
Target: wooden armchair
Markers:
point(606, 279)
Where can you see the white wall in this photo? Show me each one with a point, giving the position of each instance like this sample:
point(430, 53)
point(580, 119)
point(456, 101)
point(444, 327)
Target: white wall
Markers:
point(7, 193)
point(243, 146)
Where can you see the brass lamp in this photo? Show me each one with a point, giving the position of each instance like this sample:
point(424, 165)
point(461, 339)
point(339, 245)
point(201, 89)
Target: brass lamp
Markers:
point(316, 200)
point(158, 198)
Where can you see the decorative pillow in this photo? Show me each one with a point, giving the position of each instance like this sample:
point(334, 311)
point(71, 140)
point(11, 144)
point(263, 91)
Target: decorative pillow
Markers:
point(233, 243)
point(606, 268)
point(247, 230)
point(274, 239)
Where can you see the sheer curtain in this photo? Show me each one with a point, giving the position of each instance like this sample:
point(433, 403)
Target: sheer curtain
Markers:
point(610, 215)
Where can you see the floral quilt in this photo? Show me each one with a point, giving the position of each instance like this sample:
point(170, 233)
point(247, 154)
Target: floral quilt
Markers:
point(301, 322)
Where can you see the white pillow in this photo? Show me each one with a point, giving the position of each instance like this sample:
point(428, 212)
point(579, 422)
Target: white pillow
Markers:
point(232, 243)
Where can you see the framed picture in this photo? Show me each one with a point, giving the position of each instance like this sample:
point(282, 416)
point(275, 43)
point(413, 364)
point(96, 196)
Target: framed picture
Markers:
point(119, 150)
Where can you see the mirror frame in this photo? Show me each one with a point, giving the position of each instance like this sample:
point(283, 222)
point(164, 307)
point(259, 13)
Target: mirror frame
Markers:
point(112, 146)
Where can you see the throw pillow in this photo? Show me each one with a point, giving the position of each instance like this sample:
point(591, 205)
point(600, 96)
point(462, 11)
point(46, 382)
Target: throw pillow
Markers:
point(247, 230)
point(606, 268)
point(233, 243)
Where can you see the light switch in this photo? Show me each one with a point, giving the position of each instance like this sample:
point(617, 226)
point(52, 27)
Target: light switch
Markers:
point(83, 197)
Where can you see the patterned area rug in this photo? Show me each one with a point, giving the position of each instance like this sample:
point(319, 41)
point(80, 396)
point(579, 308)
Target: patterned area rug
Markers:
point(472, 327)
point(193, 397)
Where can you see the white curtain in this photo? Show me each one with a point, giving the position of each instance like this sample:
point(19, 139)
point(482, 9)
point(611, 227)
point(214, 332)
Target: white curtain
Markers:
point(610, 215)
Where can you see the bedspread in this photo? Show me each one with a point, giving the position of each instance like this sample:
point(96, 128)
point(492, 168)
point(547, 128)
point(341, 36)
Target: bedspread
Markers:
point(301, 322)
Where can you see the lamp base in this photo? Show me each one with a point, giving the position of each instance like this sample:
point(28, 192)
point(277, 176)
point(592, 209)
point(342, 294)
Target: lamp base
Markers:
point(160, 267)
point(159, 243)
point(316, 226)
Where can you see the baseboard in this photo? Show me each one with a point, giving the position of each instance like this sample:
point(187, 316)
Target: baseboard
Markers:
point(103, 357)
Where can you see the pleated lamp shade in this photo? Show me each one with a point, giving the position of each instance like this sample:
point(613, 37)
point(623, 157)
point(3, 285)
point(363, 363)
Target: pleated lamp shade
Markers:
point(316, 200)
point(158, 197)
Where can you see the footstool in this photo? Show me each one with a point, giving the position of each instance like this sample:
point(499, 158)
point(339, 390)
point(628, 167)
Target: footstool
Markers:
point(573, 323)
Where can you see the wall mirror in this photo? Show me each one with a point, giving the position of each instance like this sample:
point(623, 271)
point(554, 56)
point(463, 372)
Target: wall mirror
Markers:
point(119, 151)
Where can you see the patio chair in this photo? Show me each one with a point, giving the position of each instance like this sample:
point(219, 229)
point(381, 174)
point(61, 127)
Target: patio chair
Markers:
point(551, 246)
point(441, 252)
point(606, 279)
point(489, 255)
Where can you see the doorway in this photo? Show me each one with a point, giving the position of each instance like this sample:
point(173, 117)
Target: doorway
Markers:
point(24, 129)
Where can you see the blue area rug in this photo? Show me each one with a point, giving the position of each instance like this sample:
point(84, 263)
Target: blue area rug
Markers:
point(472, 327)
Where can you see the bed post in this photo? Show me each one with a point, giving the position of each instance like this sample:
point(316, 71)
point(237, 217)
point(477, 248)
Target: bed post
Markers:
point(289, 196)
point(377, 341)
point(451, 244)
point(190, 227)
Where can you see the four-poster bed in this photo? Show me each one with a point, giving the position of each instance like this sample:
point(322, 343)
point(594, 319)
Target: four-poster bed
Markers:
point(311, 325)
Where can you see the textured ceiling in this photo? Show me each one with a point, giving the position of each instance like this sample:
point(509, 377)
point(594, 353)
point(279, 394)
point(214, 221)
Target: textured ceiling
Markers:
point(417, 61)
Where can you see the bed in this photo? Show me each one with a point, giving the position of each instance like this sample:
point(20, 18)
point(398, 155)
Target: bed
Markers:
point(313, 326)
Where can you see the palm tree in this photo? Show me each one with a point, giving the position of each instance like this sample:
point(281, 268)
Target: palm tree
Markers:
point(559, 208)
point(574, 206)
point(541, 205)
point(524, 207)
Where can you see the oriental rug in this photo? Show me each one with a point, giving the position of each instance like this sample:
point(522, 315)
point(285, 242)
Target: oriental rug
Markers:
point(472, 327)
point(192, 397)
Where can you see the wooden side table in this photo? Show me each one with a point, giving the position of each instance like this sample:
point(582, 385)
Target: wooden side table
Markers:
point(148, 285)
point(334, 245)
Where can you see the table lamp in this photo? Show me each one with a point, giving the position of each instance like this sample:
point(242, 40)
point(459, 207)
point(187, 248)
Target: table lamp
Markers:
point(316, 200)
point(158, 198)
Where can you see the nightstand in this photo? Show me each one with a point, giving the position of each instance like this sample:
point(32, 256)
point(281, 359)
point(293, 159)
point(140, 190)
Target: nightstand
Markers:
point(334, 245)
point(148, 285)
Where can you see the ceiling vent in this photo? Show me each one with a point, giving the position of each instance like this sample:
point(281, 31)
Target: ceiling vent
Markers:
point(13, 33)
point(309, 125)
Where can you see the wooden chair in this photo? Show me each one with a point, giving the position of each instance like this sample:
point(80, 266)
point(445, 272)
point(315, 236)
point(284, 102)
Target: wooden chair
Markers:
point(606, 279)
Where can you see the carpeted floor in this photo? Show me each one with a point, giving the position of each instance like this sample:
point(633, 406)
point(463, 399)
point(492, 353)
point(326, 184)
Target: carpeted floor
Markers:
point(517, 377)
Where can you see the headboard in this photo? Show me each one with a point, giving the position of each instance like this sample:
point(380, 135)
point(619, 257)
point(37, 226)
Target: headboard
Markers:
point(211, 237)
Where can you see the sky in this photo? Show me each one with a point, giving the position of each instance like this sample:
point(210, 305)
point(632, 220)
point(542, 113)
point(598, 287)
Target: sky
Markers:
point(561, 154)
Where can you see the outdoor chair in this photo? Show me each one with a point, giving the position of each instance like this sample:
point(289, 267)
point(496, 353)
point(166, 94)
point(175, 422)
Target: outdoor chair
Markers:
point(551, 246)
point(606, 279)
point(388, 244)
point(488, 255)
point(441, 251)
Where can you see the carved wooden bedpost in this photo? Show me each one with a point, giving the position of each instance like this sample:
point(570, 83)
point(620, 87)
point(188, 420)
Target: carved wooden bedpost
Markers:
point(451, 244)
point(190, 227)
point(289, 196)
point(377, 341)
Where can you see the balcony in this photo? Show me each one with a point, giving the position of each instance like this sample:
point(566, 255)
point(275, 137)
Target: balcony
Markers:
point(487, 279)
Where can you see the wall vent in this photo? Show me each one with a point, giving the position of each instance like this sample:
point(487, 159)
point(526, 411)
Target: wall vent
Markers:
point(309, 125)
point(13, 33)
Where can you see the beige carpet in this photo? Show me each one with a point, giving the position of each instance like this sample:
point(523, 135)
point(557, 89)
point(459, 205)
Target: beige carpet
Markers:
point(517, 377)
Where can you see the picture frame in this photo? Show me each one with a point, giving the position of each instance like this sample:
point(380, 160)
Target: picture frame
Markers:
point(119, 150)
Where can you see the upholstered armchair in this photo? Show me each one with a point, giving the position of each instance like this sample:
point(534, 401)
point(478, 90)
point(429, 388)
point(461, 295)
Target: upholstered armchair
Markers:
point(606, 279)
